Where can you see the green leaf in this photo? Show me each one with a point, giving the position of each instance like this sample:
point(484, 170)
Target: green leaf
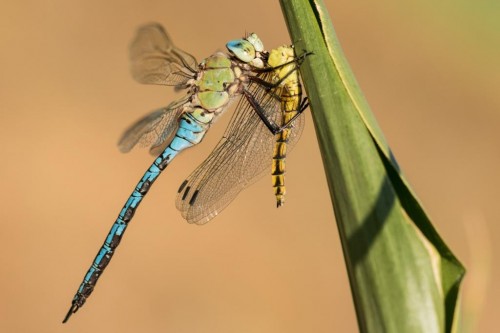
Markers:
point(403, 276)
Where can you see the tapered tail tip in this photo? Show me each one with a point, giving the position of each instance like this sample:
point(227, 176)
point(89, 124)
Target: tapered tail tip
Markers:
point(280, 202)
point(74, 307)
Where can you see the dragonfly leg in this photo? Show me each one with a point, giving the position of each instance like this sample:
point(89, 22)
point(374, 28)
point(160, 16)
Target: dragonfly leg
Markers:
point(271, 125)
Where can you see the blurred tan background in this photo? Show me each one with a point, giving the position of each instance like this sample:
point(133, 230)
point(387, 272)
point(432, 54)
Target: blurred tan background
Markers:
point(429, 70)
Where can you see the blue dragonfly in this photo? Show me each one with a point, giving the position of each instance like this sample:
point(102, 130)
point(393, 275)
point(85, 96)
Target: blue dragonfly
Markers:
point(239, 158)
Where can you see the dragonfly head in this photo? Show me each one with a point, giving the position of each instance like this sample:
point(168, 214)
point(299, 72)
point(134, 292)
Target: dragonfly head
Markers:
point(247, 50)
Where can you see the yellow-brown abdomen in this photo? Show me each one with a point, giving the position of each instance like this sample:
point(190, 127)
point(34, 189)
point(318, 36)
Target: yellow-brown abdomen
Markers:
point(291, 96)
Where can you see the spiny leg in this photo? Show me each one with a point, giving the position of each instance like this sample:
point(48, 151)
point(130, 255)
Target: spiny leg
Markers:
point(271, 125)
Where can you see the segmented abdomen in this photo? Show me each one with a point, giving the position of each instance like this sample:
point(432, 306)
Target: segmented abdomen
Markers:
point(192, 127)
point(291, 97)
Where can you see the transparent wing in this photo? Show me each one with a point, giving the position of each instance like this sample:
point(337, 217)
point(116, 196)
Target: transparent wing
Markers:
point(156, 60)
point(239, 159)
point(154, 129)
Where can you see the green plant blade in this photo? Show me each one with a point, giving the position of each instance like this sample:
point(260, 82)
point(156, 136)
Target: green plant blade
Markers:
point(403, 276)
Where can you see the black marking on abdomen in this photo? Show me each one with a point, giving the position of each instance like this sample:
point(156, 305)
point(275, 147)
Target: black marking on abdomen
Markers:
point(129, 214)
point(164, 163)
point(145, 187)
point(105, 261)
point(86, 292)
point(115, 241)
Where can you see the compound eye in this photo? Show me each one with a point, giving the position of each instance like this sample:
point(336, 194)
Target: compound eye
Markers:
point(241, 49)
point(256, 42)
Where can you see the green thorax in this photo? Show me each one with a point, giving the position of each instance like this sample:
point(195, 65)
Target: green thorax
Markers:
point(216, 75)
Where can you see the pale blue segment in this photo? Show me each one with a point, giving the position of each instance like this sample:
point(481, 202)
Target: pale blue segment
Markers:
point(178, 143)
point(187, 135)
